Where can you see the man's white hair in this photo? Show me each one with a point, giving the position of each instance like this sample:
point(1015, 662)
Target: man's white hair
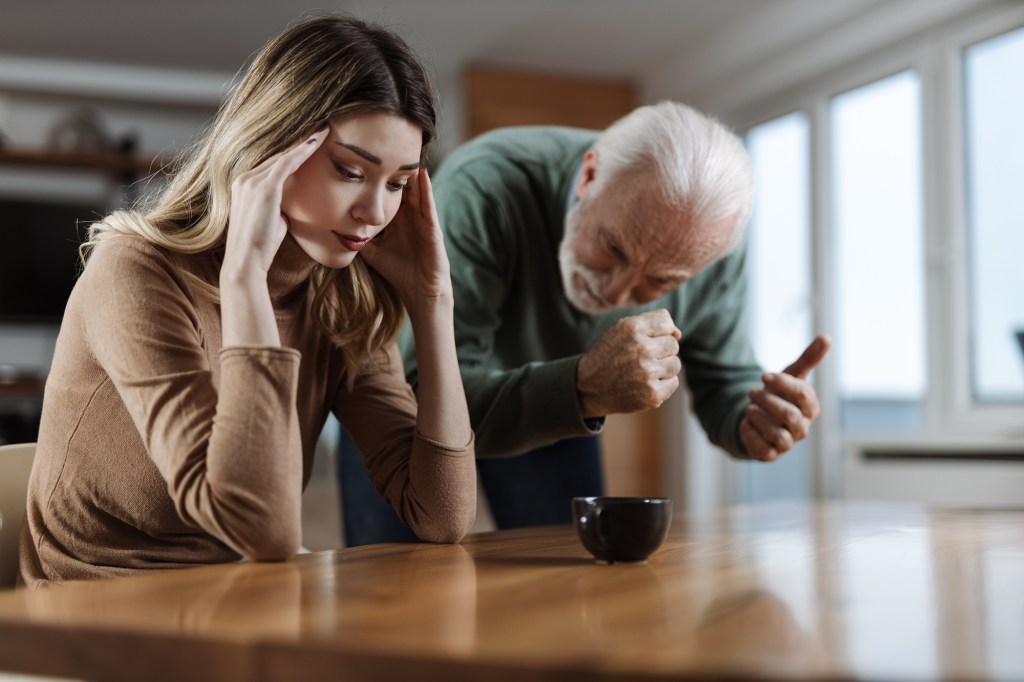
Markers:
point(702, 168)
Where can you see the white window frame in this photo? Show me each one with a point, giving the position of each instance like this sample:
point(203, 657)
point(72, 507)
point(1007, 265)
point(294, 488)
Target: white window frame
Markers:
point(964, 415)
point(952, 418)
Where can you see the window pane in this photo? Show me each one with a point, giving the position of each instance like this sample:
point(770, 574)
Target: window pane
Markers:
point(779, 242)
point(876, 190)
point(779, 271)
point(994, 87)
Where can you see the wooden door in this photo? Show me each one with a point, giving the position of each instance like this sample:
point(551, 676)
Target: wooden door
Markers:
point(498, 98)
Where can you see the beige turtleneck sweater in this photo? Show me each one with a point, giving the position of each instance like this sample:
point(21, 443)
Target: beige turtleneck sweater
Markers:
point(158, 448)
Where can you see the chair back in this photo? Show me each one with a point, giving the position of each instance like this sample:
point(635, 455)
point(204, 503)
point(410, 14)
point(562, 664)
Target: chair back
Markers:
point(15, 466)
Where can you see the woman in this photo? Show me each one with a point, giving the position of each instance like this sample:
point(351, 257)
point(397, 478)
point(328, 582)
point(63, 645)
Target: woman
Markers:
point(206, 341)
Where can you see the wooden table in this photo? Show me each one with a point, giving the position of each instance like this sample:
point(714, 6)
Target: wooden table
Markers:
point(839, 591)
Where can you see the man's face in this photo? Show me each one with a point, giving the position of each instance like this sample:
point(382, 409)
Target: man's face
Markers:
point(623, 248)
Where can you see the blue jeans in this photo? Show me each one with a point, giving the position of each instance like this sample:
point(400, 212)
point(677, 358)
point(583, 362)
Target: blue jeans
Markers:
point(532, 489)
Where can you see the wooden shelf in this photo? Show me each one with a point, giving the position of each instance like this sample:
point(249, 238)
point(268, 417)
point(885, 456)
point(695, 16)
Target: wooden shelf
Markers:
point(29, 387)
point(107, 162)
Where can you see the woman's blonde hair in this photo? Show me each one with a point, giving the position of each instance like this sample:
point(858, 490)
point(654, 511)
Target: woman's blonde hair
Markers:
point(318, 69)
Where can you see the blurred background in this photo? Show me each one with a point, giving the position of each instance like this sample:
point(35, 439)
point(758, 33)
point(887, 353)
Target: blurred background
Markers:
point(890, 163)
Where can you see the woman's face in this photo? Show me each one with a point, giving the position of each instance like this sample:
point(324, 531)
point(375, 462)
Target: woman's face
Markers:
point(351, 187)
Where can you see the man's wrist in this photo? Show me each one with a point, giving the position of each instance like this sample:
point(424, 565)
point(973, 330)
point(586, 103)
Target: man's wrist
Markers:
point(587, 409)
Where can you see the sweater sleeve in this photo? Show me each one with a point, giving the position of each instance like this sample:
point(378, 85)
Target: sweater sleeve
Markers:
point(231, 454)
point(431, 485)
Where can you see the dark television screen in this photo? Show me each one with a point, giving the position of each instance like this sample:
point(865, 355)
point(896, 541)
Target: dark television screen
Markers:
point(39, 257)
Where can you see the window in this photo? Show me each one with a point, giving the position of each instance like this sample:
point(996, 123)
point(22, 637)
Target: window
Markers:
point(875, 176)
point(994, 137)
point(779, 250)
point(778, 262)
point(900, 178)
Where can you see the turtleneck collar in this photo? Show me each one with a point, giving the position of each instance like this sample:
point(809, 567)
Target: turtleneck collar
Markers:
point(290, 271)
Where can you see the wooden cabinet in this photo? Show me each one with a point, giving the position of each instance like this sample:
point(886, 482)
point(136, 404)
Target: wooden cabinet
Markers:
point(497, 98)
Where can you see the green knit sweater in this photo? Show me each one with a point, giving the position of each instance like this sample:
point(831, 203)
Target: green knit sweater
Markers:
point(502, 200)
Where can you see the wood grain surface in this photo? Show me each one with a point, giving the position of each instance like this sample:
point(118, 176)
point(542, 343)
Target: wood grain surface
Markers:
point(832, 591)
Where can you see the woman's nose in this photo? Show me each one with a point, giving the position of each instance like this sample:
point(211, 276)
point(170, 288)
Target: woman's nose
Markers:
point(369, 209)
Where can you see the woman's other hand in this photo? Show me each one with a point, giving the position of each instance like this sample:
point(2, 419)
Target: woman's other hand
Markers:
point(410, 252)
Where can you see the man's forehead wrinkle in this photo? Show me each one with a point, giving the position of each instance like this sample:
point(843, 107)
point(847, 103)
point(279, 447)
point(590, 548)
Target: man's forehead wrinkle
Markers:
point(658, 238)
point(668, 244)
point(686, 250)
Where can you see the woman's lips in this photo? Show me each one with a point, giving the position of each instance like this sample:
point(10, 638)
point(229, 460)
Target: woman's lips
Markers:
point(352, 243)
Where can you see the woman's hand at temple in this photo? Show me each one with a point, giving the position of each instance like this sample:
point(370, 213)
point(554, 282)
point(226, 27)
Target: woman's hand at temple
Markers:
point(410, 252)
point(256, 225)
point(256, 229)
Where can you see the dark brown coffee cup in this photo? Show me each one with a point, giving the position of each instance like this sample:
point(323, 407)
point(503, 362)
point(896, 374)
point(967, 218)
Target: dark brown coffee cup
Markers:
point(621, 529)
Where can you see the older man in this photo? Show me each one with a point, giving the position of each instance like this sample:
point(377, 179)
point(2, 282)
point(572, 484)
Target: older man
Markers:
point(589, 269)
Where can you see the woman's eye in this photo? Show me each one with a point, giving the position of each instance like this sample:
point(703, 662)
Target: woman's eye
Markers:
point(347, 173)
point(398, 186)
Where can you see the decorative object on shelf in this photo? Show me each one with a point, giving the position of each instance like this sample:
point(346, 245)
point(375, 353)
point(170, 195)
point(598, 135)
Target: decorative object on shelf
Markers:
point(8, 373)
point(81, 131)
point(128, 143)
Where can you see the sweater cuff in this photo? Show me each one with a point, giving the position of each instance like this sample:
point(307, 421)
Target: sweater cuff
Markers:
point(448, 450)
point(267, 352)
point(731, 441)
point(557, 410)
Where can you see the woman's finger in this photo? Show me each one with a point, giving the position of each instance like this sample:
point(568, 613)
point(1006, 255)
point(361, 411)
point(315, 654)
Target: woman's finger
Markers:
point(427, 191)
point(413, 196)
point(293, 157)
point(309, 144)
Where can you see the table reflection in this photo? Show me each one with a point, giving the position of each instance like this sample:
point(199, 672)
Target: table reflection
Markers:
point(753, 630)
point(639, 608)
point(250, 600)
point(421, 596)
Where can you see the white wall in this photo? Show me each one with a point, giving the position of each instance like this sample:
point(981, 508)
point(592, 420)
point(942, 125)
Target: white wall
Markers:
point(771, 52)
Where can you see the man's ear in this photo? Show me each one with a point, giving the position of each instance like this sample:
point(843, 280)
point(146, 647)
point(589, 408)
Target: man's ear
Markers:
point(588, 174)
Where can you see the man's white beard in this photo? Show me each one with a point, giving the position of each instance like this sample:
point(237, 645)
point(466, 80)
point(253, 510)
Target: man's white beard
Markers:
point(570, 266)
